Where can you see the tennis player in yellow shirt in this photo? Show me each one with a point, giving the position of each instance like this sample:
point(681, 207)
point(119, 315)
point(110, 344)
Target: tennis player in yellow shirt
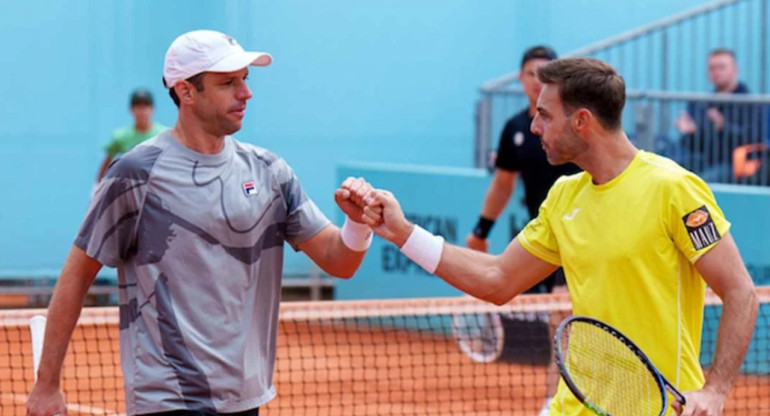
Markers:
point(638, 236)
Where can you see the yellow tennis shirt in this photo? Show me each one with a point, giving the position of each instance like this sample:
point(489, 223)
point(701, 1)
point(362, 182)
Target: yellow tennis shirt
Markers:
point(628, 248)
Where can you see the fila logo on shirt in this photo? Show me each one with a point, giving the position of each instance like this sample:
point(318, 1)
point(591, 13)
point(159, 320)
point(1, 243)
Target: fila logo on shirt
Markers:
point(701, 229)
point(249, 188)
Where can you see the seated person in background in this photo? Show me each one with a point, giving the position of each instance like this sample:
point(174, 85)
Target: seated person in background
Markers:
point(124, 139)
point(711, 130)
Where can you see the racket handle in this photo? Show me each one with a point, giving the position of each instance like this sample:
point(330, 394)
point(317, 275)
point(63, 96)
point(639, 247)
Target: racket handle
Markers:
point(37, 331)
point(679, 397)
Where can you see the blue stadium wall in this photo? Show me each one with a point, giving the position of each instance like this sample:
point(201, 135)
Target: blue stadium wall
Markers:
point(377, 81)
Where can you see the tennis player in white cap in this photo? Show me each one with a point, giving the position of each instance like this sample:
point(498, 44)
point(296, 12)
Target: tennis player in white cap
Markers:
point(196, 222)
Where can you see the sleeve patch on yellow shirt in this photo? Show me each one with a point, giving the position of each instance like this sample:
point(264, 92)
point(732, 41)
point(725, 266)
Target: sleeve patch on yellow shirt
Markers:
point(701, 228)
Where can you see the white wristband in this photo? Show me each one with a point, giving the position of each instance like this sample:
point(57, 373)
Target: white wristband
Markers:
point(356, 236)
point(424, 248)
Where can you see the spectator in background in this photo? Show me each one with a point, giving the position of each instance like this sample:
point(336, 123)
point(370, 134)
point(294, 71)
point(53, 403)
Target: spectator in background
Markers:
point(710, 131)
point(142, 107)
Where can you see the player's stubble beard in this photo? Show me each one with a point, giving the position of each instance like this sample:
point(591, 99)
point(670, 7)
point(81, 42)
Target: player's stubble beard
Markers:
point(218, 124)
point(567, 147)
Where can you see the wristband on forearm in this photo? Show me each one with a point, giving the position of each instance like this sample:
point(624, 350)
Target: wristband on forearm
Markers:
point(483, 227)
point(424, 248)
point(356, 236)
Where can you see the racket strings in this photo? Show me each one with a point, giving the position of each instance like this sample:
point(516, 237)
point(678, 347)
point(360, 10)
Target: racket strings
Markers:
point(609, 373)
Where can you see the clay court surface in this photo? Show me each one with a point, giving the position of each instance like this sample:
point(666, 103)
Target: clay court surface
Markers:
point(375, 373)
point(368, 373)
point(333, 359)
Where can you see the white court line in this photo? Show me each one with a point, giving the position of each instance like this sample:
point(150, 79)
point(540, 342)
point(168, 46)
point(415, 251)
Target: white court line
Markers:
point(21, 398)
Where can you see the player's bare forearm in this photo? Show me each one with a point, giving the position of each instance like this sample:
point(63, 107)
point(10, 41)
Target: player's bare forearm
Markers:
point(342, 261)
point(473, 272)
point(736, 326)
point(77, 275)
point(723, 270)
point(327, 250)
point(499, 193)
point(495, 279)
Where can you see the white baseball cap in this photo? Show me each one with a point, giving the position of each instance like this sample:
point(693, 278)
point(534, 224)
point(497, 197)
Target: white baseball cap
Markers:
point(207, 51)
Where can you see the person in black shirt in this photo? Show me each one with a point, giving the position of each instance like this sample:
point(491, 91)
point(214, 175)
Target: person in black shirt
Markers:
point(520, 153)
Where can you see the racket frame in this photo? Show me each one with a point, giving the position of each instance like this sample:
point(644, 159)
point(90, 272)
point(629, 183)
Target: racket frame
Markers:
point(560, 355)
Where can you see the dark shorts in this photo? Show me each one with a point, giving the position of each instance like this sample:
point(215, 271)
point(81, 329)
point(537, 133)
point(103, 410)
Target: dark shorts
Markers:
point(546, 285)
point(252, 412)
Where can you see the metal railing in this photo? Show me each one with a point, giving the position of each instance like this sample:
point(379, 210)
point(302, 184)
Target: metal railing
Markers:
point(671, 54)
point(665, 56)
point(737, 152)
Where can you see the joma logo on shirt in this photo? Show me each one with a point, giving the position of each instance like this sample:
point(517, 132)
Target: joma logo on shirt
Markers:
point(701, 229)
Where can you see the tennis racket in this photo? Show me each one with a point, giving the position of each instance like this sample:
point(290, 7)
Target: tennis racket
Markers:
point(607, 372)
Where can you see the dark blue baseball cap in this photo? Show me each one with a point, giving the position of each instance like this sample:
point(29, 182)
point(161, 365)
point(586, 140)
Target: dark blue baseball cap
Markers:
point(538, 52)
point(141, 96)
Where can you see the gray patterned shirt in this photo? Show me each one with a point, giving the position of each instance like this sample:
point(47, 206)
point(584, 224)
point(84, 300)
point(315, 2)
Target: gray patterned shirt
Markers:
point(198, 243)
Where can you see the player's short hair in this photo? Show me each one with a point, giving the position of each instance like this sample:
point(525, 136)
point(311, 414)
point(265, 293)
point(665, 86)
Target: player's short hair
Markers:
point(722, 51)
point(588, 83)
point(196, 80)
point(538, 52)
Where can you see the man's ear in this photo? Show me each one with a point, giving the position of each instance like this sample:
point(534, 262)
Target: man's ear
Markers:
point(581, 119)
point(185, 91)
